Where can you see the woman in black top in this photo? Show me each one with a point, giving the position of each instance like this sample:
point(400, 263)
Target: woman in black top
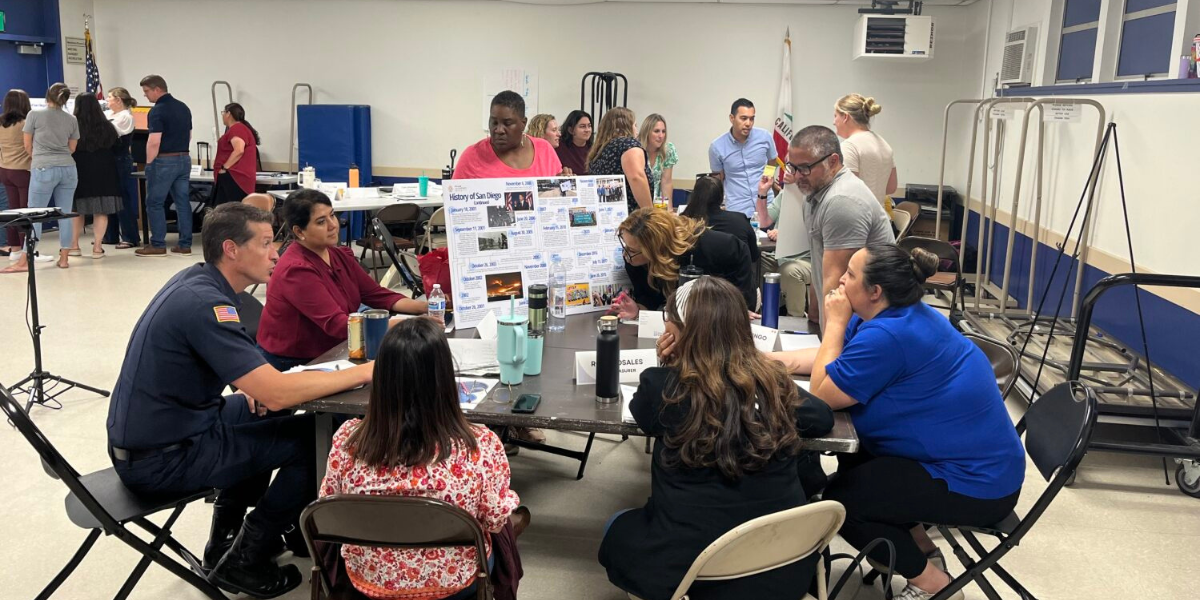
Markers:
point(658, 243)
point(704, 204)
point(617, 152)
point(727, 425)
point(99, 193)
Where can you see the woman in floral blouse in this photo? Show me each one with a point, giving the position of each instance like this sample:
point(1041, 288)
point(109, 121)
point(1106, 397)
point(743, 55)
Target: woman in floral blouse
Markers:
point(415, 441)
point(660, 154)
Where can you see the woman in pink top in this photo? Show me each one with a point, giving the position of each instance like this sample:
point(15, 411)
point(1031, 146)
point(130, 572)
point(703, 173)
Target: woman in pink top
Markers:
point(415, 441)
point(508, 152)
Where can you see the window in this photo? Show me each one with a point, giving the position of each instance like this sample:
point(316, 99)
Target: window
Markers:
point(1077, 52)
point(1147, 32)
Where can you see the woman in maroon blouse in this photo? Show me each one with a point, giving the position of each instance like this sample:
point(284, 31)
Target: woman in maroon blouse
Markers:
point(236, 165)
point(315, 287)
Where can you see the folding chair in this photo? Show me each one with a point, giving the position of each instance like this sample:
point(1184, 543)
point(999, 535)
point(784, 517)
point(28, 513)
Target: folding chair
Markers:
point(1004, 358)
point(1058, 427)
point(432, 239)
point(942, 281)
point(389, 522)
point(406, 264)
point(913, 212)
point(100, 502)
point(403, 217)
point(767, 543)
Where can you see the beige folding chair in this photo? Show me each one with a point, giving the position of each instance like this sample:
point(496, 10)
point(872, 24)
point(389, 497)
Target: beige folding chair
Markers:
point(1004, 358)
point(913, 210)
point(767, 543)
point(433, 239)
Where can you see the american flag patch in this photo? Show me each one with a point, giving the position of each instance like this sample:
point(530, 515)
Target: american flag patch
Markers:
point(226, 314)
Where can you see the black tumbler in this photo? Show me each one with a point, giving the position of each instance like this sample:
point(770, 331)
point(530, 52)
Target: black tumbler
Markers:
point(608, 361)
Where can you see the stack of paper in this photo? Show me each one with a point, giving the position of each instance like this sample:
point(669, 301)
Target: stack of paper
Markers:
point(336, 365)
point(789, 341)
point(474, 357)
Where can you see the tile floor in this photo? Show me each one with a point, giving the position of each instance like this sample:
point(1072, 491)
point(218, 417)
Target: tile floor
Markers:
point(1118, 533)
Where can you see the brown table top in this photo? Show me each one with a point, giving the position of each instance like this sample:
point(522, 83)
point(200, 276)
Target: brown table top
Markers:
point(564, 405)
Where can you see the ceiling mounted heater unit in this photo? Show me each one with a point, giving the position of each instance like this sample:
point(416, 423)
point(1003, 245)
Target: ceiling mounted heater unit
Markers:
point(1016, 69)
point(894, 36)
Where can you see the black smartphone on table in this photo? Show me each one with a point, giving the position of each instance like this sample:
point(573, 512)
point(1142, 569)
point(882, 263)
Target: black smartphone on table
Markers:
point(526, 403)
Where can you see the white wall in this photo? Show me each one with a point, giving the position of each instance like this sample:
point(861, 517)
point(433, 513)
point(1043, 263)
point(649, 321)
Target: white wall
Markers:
point(70, 17)
point(419, 65)
point(1157, 135)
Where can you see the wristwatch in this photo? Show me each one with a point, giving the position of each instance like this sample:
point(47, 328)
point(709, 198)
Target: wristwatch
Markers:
point(762, 196)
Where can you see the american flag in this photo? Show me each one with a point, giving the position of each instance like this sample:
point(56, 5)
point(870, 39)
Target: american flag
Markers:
point(93, 73)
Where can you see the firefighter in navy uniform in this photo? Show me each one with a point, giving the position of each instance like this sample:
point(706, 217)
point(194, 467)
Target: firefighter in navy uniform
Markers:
point(170, 429)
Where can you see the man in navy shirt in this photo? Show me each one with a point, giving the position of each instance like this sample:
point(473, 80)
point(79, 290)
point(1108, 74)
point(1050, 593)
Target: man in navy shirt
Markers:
point(168, 168)
point(170, 429)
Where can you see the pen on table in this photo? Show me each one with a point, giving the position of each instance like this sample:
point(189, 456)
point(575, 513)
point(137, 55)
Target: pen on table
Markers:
point(793, 332)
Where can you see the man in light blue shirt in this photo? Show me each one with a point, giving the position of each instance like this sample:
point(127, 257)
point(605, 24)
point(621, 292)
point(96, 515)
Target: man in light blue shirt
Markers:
point(740, 155)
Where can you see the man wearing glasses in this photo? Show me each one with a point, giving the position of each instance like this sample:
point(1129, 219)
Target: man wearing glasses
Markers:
point(840, 211)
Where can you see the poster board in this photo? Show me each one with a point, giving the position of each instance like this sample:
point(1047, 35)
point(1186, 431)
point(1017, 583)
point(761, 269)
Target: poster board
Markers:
point(503, 233)
point(793, 231)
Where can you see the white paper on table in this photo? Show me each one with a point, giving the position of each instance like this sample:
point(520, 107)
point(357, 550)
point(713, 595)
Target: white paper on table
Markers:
point(472, 391)
point(764, 337)
point(633, 362)
point(793, 232)
point(489, 327)
point(651, 324)
point(791, 341)
point(804, 385)
point(474, 355)
point(762, 235)
point(333, 365)
point(627, 392)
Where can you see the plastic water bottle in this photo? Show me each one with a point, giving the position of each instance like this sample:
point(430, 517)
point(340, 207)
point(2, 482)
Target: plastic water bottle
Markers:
point(558, 295)
point(437, 303)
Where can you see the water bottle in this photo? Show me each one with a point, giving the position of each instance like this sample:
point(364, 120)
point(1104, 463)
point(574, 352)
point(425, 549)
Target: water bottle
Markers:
point(770, 301)
point(437, 303)
point(608, 361)
point(558, 295)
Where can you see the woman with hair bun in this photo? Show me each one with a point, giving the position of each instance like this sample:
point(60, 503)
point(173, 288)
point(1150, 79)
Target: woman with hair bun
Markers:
point(865, 152)
point(938, 445)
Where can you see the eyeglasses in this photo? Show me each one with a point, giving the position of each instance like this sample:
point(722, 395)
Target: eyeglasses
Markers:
point(629, 256)
point(806, 170)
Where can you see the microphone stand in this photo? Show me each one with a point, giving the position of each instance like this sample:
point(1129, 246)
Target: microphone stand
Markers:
point(34, 385)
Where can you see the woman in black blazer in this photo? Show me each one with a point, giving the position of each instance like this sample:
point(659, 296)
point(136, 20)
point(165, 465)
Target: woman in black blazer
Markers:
point(727, 424)
point(658, 243)
point(704, 204)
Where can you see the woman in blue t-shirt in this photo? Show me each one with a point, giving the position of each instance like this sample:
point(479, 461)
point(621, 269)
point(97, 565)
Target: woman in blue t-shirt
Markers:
point(938, 444)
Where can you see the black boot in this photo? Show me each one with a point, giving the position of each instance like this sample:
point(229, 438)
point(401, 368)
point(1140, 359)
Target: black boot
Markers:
point(226, 522)
point(249, 567)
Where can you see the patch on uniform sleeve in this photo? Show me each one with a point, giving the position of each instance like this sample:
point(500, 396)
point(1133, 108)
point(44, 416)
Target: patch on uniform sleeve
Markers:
point(226, 314)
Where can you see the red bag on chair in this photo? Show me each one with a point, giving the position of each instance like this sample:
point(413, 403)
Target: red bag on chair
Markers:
point(435, 268)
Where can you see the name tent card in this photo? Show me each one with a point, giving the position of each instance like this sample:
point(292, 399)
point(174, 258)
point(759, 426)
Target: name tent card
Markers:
point(651, 324)
point(764, 337)
point(633, 362)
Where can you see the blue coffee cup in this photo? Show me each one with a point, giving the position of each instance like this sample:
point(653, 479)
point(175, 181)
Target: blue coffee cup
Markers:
point(375, 326)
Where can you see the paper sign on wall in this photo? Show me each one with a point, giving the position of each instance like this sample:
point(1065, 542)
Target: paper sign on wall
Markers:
point(633, 362)
point(1001, 112)
point(1062, 113)
point(651, 324)
point(764, 337)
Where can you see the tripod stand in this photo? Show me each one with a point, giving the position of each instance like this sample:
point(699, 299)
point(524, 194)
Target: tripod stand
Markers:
point(34, 385)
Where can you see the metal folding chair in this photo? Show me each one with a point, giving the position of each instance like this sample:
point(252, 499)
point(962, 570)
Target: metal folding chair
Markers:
point(101, 503)
point(389, 522)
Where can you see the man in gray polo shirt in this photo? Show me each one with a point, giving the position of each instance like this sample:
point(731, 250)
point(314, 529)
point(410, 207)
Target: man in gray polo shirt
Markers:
point(841, 212)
